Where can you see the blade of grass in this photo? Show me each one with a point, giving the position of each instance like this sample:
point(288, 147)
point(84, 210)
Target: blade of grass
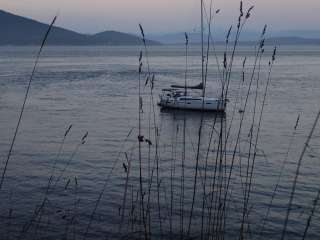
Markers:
point(24, 102)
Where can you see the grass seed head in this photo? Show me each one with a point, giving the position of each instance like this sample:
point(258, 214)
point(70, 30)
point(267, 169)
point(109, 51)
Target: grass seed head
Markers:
point(83, 140)
point(148, 141)
point(244, 62)
point(67, 184)
point(152, 81)
point(297, 122)
point(68, 130)
point(274, 54)
point(228, 34)
point(141, 30)
point(249, 12)
point(264, 29)
point(262, 43)
point(125, 167)
point(140, 138)
point(140, 57)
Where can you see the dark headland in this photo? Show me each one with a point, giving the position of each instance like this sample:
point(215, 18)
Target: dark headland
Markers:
point(247, 38)
point(17, 30)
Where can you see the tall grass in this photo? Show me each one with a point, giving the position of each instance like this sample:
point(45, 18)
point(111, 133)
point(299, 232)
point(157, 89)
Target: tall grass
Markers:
point(25, 101)
point(294, 185)
point(196, 192)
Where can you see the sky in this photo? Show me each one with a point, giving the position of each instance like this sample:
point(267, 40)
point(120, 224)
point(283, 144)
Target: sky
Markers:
point(161, 16)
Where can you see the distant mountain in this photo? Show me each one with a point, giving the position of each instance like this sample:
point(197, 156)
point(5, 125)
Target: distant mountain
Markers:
point(247, 37)
point(218, 35)
point(278, 41)
point(292, 41)
point(118, 38)
point(307, 34)
point(17, 30)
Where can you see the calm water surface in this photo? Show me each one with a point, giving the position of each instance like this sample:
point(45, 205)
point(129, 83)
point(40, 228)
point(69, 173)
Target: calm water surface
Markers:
point(95, 89)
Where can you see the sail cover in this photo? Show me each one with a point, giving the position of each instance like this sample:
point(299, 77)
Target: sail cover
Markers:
point(199, 86)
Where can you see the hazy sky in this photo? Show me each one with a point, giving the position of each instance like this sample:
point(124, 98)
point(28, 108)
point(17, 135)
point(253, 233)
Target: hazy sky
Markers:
point(90, 16)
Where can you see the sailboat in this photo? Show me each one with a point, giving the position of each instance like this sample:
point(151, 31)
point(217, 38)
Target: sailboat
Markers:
point(177, 96)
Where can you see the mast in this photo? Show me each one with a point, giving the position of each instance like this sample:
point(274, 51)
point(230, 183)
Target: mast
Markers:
point(202, 51)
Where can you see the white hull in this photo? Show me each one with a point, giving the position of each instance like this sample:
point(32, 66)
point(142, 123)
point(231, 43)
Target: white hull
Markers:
point(190, 103)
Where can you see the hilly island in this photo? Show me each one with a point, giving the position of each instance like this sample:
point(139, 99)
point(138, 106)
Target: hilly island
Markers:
point(17, 30)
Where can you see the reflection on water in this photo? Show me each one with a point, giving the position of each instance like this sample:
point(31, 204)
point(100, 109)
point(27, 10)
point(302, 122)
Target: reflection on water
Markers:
point(191, 115)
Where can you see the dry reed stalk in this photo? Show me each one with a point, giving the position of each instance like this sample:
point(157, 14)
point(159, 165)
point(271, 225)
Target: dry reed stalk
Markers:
point(200, 127)
point(140, 140)
point(315, 203)
point(82, 142)
point(156, 129)
point(183, 158)
point(280, 176)
point(127, 168)
point(226, 73)
point(239, 96)
point(271, 63)
point(240, 26)
point(244, 109)
point(24, 101)
point(172, 173)
point(105, 185)
point(212, 43)
point(246, 191)
point(205, 83)
point(52, 175)
point(293, 189)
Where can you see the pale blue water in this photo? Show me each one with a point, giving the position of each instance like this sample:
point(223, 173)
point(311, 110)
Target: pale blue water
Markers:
point(95, 89)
